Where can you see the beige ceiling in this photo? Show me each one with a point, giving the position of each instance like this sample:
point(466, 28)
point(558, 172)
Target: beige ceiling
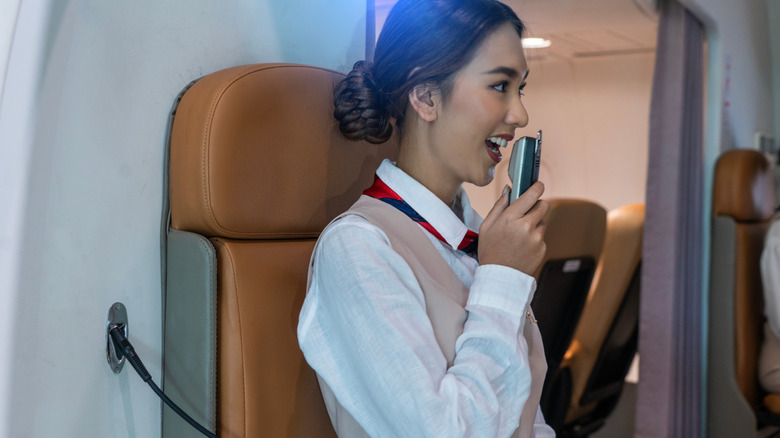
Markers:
point(579, 28)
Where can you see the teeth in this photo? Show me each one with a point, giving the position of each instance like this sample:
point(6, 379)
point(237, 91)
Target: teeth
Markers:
point(498, 141)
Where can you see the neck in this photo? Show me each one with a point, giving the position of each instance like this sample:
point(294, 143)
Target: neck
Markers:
point(414, 162)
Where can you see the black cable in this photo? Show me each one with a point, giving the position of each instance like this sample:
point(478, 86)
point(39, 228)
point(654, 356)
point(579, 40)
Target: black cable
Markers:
point(124, 347)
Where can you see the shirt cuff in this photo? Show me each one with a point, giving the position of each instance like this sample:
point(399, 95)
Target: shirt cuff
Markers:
point(503, 288)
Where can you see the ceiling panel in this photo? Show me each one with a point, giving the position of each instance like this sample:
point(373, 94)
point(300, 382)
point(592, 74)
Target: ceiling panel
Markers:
point(580, 27)
point(589, 28)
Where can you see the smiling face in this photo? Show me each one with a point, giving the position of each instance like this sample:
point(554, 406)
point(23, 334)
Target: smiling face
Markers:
point(459, 139)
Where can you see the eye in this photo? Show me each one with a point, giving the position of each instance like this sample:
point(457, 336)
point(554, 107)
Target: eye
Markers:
point(500, 87)
point(520, 90)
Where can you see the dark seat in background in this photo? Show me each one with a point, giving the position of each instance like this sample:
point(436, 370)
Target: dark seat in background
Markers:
point(574, 238)
point(257, 169)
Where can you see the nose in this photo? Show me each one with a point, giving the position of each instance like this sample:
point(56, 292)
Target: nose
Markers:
point(516, 114)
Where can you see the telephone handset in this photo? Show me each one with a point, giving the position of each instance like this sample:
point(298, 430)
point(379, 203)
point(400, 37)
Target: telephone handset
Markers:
point(524, 164)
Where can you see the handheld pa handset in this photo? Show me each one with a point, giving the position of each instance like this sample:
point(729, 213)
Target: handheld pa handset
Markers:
point(524, 164)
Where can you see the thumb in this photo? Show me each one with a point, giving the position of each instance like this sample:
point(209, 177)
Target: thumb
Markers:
point(501, 204)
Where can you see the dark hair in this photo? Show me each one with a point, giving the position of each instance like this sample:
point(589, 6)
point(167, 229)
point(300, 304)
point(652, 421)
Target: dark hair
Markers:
point(422, 42)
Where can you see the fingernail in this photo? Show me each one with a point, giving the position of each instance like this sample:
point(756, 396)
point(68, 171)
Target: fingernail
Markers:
point(505, 192)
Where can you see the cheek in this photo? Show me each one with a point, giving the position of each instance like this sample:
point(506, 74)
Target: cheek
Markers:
point(480, 111)
point(472, 103)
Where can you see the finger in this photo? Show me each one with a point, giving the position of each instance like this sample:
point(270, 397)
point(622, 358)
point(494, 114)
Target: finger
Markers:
point(528, 199)
point(501, 203)
point(535, 214)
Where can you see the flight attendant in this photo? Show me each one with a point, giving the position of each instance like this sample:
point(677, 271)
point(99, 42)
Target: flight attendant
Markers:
point(417, 318)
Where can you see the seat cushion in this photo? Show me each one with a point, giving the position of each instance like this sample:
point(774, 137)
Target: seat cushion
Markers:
point(265, 386)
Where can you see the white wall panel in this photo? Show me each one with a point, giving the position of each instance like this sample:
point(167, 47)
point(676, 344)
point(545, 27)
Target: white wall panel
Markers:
point(109, 72)
point(773, 14)
point(739, 91)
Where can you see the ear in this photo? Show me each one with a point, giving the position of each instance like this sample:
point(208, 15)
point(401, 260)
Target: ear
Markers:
point(424, 99)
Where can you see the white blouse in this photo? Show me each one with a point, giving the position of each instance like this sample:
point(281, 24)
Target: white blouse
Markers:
point(364, 329)
point(770, 274)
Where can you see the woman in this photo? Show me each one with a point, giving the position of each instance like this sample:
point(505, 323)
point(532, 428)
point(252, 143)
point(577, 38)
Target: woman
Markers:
point(412, 335)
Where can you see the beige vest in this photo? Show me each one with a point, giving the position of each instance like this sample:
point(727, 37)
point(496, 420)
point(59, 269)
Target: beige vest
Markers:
point(445, 298)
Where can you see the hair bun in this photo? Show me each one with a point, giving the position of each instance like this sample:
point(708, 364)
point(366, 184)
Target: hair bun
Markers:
point(360, 106)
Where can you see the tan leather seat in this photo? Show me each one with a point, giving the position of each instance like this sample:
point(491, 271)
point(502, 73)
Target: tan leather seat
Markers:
point(616, 274)
point(257, 169)
point(743, 202)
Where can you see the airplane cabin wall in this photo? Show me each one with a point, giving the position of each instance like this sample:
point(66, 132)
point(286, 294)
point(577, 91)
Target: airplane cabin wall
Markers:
point(740, 86)
point(104, 77)
point(738, 103)
point(773, 14)
point(8, 13)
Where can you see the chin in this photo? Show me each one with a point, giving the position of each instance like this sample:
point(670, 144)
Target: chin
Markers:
point(487, 178)
point(491, 175)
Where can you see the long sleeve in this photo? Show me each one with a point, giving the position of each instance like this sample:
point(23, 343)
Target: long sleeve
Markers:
point(364, 330)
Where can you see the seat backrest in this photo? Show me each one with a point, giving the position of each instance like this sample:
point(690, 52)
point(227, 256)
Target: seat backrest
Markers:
point(574, 238)
point(605, 339)
point(257, 169)
point(743, 204)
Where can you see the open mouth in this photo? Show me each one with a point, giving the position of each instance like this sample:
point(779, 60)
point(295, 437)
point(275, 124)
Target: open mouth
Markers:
point(494, 145)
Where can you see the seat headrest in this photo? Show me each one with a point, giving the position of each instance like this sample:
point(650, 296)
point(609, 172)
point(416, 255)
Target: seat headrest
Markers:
point(256, 154)
point(626, 222)
point(575, 228)
point(743, 186)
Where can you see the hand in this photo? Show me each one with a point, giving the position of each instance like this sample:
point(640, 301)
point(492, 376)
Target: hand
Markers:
point(513, 235)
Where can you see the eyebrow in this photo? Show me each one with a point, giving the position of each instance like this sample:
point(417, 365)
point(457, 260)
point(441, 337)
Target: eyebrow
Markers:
point(509, 71)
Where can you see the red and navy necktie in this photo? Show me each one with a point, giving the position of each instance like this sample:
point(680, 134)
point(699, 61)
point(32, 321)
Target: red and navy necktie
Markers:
point(381, 191)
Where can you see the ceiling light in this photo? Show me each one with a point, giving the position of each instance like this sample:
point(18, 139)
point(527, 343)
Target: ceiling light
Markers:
point(536, 43)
